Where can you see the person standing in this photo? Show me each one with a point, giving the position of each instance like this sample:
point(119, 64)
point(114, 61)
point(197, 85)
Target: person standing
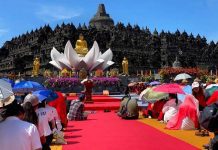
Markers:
point(16, 134)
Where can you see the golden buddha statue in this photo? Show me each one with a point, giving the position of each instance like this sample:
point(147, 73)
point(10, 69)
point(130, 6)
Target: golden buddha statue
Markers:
point(114, 72)
point(47, 73)
point(64, 73)
point(82, 74)
point(99, 73)
point(81, 46)
point(125, 66)
point(36, 65)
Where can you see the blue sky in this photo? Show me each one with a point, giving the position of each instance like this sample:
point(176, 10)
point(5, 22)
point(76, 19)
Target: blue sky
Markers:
point(196, 16)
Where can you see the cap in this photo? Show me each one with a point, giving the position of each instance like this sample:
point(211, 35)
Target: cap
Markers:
point(33, 99)
point(195, 84)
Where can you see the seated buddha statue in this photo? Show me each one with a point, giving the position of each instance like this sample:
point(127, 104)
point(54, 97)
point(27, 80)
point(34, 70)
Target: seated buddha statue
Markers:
point(64, 73)
point(81, 46)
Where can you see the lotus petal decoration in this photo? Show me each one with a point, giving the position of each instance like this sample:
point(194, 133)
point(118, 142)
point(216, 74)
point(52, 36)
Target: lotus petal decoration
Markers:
point(71, 55)
point(93, 60)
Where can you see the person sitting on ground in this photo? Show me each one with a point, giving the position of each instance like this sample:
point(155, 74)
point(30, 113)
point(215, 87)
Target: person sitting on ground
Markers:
point(126, 93)
point(171, 107)
point(30, 114)
point(16, 134)
point(128, 108)
point(198, 93)
point(76, 111)
point(61, 108)
point(187, 116)
point(44, 118)
point(154, 110)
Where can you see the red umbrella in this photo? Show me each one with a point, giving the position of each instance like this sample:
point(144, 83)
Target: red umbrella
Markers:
point(213, 98)
point(169, 88)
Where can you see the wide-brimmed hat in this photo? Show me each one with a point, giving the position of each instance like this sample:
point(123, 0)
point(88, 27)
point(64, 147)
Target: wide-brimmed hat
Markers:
point(33, 99)
point(7, 101)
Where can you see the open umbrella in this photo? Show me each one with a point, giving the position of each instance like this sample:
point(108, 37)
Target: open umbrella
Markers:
point(47, 95)
point(132, 84)
point(154, 83)
point(5, 89)
point(151, 95)
point(187, 89)
point(213, 98)
point(27, 86)
point(182, 76)
point(9, 81)
point(210, 89)
point(169, 88)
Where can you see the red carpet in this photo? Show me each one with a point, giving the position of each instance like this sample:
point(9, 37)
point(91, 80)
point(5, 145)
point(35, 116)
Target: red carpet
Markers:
point(106, 131)
point(101, 102)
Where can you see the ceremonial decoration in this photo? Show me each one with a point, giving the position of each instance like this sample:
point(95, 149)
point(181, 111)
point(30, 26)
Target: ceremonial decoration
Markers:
point(93, 60)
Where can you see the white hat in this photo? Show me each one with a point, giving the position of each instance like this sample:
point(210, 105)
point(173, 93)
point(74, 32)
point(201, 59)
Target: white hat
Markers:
point(195, 84)
point(7, 101)
point(33, 99)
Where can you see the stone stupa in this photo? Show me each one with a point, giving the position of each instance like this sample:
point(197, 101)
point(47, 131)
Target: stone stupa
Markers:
point(101, 19)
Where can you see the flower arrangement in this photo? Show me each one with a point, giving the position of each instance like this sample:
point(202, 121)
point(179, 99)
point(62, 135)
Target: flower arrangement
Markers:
point(61, 82)
point(105, 81)
point(71, 82)
point(169, 72)
point(191, 71)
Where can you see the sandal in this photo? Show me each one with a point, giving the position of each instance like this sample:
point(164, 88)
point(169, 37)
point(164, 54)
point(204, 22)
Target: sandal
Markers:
point(199, 133)
point(206, 133)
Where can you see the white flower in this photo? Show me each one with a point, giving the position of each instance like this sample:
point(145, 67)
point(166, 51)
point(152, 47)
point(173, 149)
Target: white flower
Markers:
point(93, 60)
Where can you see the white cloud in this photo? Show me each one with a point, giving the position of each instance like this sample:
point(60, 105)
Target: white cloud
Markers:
point(56, 13)
point(3, 31)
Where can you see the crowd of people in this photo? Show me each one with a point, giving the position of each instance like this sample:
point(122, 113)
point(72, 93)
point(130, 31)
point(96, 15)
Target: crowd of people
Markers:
point(40, 121)
point(33, 123)
point(184, 114)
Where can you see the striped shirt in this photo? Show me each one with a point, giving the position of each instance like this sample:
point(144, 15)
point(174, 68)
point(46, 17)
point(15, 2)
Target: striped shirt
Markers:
point(76, 110)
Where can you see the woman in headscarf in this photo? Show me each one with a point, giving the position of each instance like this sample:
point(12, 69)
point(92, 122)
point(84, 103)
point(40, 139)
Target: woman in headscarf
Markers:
point(187, 116)
point(170, 108)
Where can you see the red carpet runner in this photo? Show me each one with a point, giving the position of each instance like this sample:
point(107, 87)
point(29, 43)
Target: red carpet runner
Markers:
point(106, 131)
point(101, 102)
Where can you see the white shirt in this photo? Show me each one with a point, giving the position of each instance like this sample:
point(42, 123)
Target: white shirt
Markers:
point(187, 124)
point(16, 134)
point(170, 109)
point(55, 116)
point(44, 116)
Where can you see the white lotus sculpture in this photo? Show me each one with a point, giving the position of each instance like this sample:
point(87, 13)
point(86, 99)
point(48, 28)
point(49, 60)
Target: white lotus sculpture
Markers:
point(93, 60)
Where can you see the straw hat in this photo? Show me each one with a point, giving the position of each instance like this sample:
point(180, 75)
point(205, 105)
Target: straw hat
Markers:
point(184, 81)
point(7, 101)
point(216, 80)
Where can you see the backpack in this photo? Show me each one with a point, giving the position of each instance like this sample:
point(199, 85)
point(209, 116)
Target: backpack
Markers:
point(124, 111)
point(209, 117)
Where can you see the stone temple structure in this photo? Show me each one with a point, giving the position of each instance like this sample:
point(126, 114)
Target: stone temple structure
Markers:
point(101, 19)
point(143, 48)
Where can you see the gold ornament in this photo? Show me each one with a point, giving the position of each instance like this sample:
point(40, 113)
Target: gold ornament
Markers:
point(81, 46)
